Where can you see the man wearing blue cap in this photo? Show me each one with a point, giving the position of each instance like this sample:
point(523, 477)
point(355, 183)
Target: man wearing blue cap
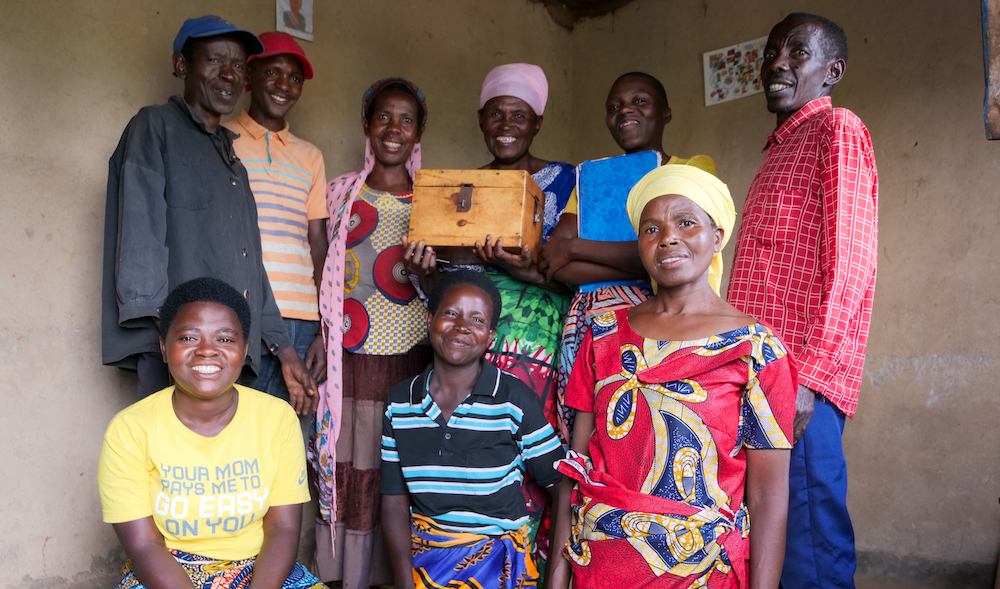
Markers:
point(179, 207)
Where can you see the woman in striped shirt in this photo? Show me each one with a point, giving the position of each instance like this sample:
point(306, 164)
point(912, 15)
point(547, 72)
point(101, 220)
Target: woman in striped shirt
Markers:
point(456, 442)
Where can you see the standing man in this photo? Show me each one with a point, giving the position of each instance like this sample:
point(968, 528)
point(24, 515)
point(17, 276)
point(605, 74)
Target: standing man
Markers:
point(805, 263)
point(179, 207)
point(288, 181)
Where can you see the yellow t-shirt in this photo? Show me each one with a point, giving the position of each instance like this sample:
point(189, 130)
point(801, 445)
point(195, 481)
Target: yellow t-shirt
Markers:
point(702, 162)
point(208, 496)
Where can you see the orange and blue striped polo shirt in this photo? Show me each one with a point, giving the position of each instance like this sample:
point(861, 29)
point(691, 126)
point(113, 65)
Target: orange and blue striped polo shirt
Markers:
point(288, 180)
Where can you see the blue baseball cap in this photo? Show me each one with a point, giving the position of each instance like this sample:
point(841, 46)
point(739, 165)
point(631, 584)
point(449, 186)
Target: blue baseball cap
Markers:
point(210, 26)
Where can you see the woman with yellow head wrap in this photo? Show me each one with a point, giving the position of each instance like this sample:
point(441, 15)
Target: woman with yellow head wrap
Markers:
point(698, 186)
point(684, 415)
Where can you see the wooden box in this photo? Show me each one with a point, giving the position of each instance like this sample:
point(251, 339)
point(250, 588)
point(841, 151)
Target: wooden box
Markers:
point(453, 209)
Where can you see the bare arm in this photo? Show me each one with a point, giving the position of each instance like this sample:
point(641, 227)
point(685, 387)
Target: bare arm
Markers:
point(559, 568)
point(396, 531)
point(154, 566)
point(615, 254)
point(318, 247)
point(767, 503)
point(587, 272)
point(567, 258)
point(316, 354)
point(281, 543)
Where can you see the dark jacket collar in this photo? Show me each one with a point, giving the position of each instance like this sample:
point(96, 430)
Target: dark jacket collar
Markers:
point(178, 101)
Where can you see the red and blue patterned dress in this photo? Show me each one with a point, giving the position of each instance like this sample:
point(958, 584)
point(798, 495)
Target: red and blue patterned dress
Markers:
point(659, 500)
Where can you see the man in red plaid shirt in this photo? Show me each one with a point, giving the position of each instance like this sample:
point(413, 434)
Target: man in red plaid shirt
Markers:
point(805, 263)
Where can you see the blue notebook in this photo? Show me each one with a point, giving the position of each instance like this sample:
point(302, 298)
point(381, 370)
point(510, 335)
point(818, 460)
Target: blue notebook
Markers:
point(602, 187)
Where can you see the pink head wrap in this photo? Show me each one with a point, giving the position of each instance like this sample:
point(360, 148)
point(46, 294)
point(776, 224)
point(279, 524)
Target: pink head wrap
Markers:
point(520, 80)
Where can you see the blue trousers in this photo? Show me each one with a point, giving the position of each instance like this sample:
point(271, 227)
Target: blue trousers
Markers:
point(819, 544)
point(270, 380)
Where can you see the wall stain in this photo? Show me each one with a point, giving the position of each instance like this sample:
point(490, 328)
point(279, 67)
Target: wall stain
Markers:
point(956, 370)
point(105, 571)
point(913, 569)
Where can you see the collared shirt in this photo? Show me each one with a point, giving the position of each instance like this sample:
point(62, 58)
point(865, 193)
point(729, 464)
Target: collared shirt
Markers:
point(288, 181)
point(179, 207)
point(807, 250)
point(466, 473)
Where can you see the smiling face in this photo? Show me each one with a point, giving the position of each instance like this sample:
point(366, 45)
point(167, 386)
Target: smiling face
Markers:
point(677, 241)
point(636, 114)
point(459, 330)
point(394, 128)
point(205, 350)
point(509, 126)
point(214, 78)
point(795, 69)
point(275, 87)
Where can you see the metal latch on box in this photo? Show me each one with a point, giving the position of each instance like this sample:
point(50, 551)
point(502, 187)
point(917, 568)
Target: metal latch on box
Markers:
point(463, 198)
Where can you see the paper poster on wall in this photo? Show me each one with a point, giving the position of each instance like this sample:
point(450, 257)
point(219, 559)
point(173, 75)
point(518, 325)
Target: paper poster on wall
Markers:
point(733, 72)
point(295, 17)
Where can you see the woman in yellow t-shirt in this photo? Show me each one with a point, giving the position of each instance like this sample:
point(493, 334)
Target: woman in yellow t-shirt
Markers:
point(193, 489)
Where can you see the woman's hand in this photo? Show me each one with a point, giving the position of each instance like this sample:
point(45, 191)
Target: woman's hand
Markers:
point(555, 255)
point(421, 261)
point(520, 267)
point(281, 543)
point(154, 566)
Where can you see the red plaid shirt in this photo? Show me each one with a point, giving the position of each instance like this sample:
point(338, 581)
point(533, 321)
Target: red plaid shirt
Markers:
point(807, 249)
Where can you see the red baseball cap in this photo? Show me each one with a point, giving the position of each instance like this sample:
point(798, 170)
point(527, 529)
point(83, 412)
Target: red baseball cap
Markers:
point(278, 43)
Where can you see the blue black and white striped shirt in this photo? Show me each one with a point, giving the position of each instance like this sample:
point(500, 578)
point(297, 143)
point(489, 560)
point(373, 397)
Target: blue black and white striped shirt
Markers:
point(466, 473)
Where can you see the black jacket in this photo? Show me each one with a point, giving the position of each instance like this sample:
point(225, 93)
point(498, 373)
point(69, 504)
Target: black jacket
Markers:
point(179, 207)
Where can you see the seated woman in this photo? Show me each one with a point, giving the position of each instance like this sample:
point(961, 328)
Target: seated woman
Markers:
point(194, 492)
point(375, 322)
point(685, 409)
point(637, 112)
point(457, 441)
point(529, 332)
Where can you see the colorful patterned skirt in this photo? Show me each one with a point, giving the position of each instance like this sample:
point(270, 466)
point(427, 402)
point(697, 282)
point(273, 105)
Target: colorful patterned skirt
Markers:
point(527, 346)
point(210, 573)
point(582, 309)
point(442, 558)
point(360, 557)
point(615, 542)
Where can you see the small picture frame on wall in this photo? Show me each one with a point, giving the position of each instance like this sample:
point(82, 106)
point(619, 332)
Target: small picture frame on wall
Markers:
point(295, 17)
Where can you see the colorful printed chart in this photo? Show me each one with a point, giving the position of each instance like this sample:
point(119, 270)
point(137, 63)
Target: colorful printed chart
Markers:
point(733, 72)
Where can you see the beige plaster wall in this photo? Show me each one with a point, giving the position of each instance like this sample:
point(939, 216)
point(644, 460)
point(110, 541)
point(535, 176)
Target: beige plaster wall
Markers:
point(74, 74)
point(924, 475)
point(923, 469)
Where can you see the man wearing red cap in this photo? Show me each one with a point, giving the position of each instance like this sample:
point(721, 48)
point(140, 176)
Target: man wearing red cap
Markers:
point(288, 180)
point(179, 207)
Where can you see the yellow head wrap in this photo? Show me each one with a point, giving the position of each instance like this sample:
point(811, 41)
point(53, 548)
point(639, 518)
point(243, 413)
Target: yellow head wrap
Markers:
point(702, 188)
